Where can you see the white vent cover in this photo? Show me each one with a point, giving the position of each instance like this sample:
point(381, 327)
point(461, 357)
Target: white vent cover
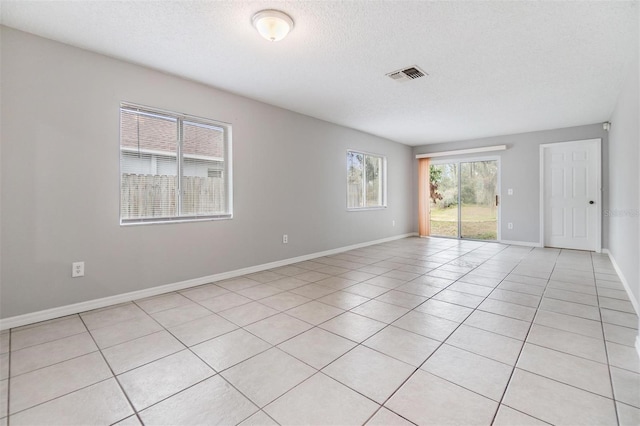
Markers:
point(407, 74)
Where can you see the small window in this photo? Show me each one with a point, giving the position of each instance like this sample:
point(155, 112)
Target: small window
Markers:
point(173, 167)
point(366, 180)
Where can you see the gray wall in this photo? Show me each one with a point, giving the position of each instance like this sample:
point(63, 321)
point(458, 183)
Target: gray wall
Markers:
point(624, 200)
point(60, 181)
point(520, 170)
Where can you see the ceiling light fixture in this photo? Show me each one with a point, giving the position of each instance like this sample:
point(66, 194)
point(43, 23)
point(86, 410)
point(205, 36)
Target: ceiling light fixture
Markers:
point(272, 24)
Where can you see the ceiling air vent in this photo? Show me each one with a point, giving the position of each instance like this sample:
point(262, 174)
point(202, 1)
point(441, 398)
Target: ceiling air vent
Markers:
point(407, 74)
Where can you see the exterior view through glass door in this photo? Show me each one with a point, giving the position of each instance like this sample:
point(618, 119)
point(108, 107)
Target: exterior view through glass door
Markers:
point(464, 199)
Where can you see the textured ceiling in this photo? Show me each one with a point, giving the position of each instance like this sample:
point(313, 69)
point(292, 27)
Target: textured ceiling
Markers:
point(494, 67)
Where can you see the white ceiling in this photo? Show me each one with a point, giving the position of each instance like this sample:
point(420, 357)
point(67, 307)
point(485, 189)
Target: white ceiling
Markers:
point(494, 67)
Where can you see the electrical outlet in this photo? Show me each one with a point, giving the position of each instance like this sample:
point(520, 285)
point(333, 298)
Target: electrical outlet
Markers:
point(393, 223)
point(285, 239)
point(77, 269)
point(510, 191)
point(510, 225)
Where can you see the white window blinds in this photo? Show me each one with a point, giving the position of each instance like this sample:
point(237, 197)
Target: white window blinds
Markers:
point(173, 167)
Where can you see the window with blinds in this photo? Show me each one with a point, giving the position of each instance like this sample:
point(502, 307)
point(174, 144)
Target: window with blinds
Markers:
point(366, 180)
point(173, 167)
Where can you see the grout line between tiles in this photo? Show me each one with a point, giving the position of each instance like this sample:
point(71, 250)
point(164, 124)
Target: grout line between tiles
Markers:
point(566, 384)
point(49, 341)
point(58, 397)
point(391, 251)
point(434, 351)
point(357, 344)
point(606, 351)
point(55, 363)
point(165, 356)
point(520, 411)
point(113, 375)
point(504, 392)
point(548, 378)
point(216, 373)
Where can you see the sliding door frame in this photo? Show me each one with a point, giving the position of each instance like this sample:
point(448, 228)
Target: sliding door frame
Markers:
point(457, 162)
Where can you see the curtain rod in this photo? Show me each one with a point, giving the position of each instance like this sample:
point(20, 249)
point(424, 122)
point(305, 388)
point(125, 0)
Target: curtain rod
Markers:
point(463, 151)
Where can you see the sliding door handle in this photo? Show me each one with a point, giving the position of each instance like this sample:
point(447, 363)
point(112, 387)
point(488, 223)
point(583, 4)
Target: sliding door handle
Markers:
point(497, 201)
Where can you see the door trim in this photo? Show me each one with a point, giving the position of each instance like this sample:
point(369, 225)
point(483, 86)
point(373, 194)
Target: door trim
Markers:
point(598, 247)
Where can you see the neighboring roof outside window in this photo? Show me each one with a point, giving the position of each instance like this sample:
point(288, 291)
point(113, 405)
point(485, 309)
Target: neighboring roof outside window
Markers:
point(158, 133)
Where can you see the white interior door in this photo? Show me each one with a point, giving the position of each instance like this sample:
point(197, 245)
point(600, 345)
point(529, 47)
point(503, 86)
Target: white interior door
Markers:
point(571, 195)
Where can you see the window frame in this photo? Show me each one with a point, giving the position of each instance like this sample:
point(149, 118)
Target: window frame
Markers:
point(227, 171)
point(383, 205)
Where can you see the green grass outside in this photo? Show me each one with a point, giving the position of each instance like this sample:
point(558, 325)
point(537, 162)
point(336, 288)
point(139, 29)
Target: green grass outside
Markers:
point(478, 222)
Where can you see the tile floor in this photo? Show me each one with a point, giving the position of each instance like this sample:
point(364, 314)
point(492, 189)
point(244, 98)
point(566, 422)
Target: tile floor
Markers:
point(422, 331)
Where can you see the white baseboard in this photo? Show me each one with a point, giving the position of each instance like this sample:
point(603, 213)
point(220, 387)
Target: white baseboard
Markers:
point(521, 243)
point(513, 243)
point(625, 283)
point(61, 311)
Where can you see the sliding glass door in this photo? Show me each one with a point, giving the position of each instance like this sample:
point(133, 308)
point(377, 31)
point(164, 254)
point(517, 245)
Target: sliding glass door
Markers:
point(479, 200)
point(464, 199)
point(443, 187)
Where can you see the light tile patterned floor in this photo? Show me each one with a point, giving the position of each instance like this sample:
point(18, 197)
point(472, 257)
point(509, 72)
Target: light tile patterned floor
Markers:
point(415, 331)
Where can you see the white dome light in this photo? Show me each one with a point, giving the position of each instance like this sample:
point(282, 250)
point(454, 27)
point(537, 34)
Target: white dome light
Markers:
point(272, 24)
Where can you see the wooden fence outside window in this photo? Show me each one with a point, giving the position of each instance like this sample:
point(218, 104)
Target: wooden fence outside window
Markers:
point(149, 196)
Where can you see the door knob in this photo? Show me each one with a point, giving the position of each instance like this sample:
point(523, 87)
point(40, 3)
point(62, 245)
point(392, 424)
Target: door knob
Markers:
point(591, 202)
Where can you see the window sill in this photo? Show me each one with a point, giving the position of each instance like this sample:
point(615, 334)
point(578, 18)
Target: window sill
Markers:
point(360, 209)
point(159, 221)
